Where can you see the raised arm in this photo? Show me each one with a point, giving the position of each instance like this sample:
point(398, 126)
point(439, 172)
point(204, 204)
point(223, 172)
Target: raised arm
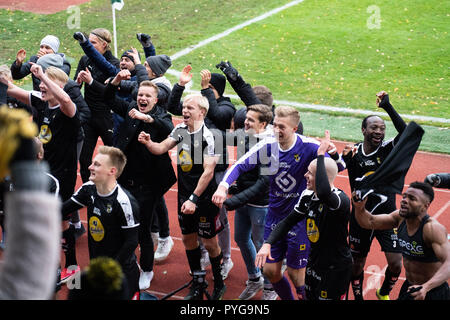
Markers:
point(15, 91)
point(120, 106)
point(374, 222)
point(242, 89)
point(174, 104)
point(383, 102)
point(96, 57)
point(65, 103)
point(323, 183)
point(19, 69)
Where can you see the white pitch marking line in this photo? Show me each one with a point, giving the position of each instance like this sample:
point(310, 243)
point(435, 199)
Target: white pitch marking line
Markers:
point(235, 28)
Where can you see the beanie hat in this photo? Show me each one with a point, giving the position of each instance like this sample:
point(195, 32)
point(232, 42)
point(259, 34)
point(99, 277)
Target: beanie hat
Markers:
point(159, 64)
point(218, 81)
point(52, 42)
point(50, 60)
point(129, 56)
point(239, 118)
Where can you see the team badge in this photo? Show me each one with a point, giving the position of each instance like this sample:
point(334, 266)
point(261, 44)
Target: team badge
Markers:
point(296, 157)
point(108, 208)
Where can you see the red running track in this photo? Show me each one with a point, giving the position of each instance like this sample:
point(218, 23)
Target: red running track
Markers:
point(173, 272)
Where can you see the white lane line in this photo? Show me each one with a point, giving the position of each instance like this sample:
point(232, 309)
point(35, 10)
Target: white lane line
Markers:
point(235, 28)
point(441, 211)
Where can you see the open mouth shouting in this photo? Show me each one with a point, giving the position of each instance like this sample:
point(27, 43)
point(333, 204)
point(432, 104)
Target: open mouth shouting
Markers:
point(143, 105)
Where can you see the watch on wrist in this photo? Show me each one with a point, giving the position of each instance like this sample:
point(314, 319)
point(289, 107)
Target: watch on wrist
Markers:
point(193, 198)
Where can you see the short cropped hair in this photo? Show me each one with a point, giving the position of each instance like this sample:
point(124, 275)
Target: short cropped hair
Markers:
point(425, 187)
point(116, 156)
point(288, 112)
point(265, 113)
point(201, 100)
point(364, 122)
point(264, 95)
point(148, 83)
point(56, 74)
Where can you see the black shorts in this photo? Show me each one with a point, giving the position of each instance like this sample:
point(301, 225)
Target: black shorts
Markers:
point(361, 239)
point(329, 284)
point(204, 221)
point(441, 292)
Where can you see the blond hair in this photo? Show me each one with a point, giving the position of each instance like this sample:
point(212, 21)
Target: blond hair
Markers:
point(104, 35)
point(5, 71)
point(288, 112)
point(202, 101)
point(56, 74)
point(116, 156)
point(148, 83)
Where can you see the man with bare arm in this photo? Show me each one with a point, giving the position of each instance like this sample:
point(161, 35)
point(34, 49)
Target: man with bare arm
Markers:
point(422, 239)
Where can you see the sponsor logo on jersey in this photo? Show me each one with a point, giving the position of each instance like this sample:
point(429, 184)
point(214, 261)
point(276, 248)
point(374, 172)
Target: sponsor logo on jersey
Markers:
point(285, 181)
point(96, 229)
point(45, 134)
point(412, 248)
point(312, 230)
point(185, 161)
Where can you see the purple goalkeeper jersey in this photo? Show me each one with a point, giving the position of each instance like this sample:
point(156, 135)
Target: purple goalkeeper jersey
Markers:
point(286, 168)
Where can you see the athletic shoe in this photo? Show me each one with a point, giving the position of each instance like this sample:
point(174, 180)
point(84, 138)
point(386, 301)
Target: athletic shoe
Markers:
point(380, 296)
point(252, 288)
point(164, 248)
point(195, 292)
point(144, 279)
point(269, 294)
point(227, 265)
point(218, 292)
point(67, 273)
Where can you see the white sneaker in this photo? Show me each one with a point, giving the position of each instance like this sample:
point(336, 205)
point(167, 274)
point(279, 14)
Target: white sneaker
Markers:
point(269, 294)
point(144, 280)
point(252, 288)
point(227, 265)
point(164, 248)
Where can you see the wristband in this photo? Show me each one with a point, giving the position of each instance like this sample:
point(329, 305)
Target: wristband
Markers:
point(193, 198)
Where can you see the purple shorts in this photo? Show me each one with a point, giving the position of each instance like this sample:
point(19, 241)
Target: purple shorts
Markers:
point(295, 246)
